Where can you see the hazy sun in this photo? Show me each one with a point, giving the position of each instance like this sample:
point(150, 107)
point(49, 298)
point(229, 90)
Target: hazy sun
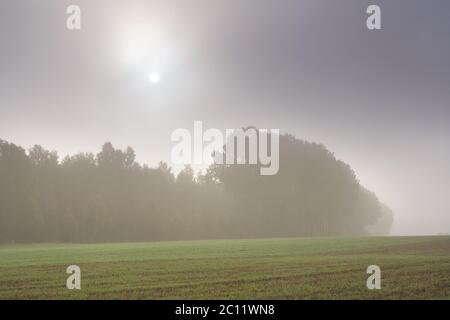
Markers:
point(154, 77)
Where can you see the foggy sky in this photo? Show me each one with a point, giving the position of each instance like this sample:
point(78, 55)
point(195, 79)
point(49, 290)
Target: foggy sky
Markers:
point(378, 99)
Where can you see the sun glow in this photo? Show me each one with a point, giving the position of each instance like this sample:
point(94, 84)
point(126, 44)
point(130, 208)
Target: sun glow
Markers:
point(146, 51)
point(154, 77)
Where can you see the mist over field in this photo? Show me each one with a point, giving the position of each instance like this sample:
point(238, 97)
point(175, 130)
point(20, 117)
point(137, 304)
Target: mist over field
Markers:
point(369, 112)
point(206, 152)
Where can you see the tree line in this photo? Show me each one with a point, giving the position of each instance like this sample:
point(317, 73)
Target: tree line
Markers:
point(109, 197)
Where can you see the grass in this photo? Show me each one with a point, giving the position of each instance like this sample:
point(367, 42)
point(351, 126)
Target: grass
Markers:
point(301, 268)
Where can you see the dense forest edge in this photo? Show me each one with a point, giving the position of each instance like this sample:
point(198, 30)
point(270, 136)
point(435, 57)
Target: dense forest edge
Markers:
point(110, 197)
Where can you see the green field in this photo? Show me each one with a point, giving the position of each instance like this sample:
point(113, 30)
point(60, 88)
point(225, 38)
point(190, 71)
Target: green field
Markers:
point(301, 268)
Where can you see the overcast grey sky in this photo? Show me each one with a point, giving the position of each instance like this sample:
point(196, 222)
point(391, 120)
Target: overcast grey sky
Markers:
point(380, 100)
